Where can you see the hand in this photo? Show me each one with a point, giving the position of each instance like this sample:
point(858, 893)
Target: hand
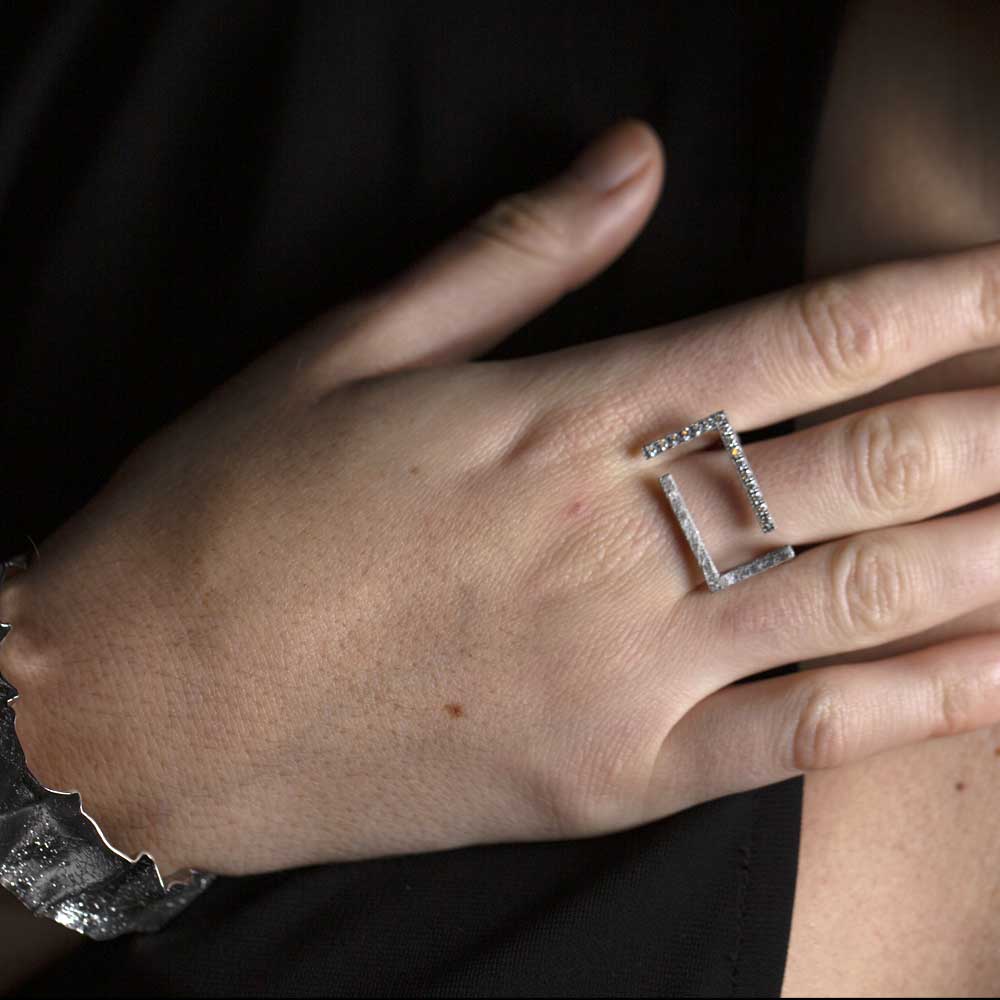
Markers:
point(368, 599)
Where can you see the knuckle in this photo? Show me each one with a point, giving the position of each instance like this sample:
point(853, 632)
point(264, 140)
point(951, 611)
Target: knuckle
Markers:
point(892, 461)
point(566, 432)
point(870, 590)
point(842, 331)
point(956, 700)
point(578, 810)
point(821, 734)
point(529, 225)
point(989, 300)
point(546, 438)
point(599, 787)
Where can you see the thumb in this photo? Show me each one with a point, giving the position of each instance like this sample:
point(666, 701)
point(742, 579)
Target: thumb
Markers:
point(514, 261)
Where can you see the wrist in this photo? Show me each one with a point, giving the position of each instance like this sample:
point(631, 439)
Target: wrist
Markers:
point(63, 659)
point(53, 856)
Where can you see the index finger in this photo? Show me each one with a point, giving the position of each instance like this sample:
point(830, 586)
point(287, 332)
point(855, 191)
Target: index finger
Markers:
point(807, 347)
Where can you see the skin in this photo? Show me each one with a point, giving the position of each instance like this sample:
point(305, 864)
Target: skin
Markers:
point(898, 887)
point(277, 604)
point(547, 635)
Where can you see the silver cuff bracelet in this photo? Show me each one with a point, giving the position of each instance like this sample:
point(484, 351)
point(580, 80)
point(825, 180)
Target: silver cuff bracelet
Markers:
point(55, 859)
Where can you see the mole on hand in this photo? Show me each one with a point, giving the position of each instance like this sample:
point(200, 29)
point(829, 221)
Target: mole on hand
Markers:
point(959, 786)
point(454, 709)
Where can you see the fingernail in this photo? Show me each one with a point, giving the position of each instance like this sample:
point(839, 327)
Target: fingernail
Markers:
point(614, 157)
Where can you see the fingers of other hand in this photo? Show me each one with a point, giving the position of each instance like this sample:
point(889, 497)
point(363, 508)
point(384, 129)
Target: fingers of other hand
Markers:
point(748, 735)
point(797, 350)
point(513, 262)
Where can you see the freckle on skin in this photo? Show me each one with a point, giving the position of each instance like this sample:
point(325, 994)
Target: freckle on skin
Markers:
point(997, 751)
point(414, 469)
point(575, 508)
point(959, 786)
point(454, 709)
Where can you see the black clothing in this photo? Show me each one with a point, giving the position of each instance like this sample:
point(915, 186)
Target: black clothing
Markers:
point(182, 184)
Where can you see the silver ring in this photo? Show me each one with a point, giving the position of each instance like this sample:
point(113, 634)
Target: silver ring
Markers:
point(734, 447)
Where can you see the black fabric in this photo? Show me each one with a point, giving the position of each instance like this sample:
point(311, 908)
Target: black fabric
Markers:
point(183, 184)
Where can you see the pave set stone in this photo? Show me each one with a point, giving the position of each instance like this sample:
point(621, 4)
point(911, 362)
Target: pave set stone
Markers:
point(689, 433)
point(731, 442)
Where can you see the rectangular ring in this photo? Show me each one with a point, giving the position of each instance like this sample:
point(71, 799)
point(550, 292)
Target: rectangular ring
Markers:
point(731, 441)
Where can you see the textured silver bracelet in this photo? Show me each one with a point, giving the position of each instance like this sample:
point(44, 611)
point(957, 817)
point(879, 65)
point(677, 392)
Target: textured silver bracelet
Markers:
point(55, 859)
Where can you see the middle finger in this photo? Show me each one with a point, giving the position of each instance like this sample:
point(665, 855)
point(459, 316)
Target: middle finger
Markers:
point(891, 464)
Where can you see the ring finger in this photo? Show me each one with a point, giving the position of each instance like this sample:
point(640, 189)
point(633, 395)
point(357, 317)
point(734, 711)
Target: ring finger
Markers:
point(892, 464)
point(857, 592)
